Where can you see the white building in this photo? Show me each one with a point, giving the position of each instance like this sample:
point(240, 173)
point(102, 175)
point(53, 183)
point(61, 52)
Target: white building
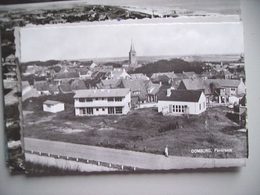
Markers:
point(102, 101)
point(53, 106)
point(178, 102)
point(119, 73)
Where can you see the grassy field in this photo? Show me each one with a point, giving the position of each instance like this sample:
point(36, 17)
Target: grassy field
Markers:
point(143, 130)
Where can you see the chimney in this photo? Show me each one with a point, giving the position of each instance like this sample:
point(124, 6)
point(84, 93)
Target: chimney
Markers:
point(169, 92)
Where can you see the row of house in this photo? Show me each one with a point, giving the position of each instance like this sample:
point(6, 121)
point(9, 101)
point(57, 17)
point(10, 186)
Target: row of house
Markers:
point(222, 89)
point(174, 102)
point(117, 92)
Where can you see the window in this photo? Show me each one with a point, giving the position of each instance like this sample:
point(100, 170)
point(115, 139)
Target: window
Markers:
point(97, 109)
point(103, 109)
point(136, 92)
point(173, 108)
point(82, 111)
point(119, 110)
point(103, 98)
point(111, 110)
point(118, 99)
point(110, 99)
point(185, 108)
point(89, 110)
point(96, 98)
point(81, 99)
point(182, 108)
point(200, 106)
point(233, 89)
point(89, 100)
point(178, 108)
point(204, 104)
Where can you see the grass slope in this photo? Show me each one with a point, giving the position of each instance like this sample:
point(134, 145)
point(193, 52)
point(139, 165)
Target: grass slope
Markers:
point(141, 130)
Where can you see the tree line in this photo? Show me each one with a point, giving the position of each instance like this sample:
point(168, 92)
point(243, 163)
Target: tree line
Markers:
point(173, 65)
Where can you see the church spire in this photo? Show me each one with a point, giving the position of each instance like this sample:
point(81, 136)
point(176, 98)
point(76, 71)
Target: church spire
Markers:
point(132, 49)
point(132, 55)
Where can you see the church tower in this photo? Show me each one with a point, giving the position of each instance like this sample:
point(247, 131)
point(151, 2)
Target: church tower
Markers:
point(132, 55)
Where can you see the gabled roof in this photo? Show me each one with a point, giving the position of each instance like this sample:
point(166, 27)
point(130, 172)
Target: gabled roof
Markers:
point(182, 96)
point(110, 83)
point(78, 84)
point(53, 88)
point(195, 84)
point(41, 86)
point(168, 74)
point(153, 88)
point(66, 75)
point(190, 74)
point(181, 76)
point(83, 71)
point(65, 88)
point(204, 84)
point(224, 82)
point(93, 65)
point(136, 85)
point(118, 73)
point(139, 76)
point(93, 93)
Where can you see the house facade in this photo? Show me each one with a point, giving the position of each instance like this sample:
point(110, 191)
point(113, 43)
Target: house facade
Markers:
point(180, 102)
point(93, 102)
point(53, 106)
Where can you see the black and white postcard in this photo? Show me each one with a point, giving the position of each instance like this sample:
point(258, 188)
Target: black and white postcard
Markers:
point(155, 88)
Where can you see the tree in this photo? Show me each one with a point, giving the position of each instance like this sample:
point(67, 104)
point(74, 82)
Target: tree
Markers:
point(213, 88)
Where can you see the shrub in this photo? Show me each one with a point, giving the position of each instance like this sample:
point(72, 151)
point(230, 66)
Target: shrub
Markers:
point(169, 127)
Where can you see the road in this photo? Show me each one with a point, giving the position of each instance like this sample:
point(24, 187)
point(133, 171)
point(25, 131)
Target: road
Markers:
point(139, 160)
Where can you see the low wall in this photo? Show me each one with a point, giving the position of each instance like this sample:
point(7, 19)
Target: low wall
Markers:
point(65, 164)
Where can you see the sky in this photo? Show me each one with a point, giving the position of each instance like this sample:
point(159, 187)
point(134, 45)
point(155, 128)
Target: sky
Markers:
point(88, 41)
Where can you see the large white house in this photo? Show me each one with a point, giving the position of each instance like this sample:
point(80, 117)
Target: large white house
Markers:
point(102, 102)
point(178, 102)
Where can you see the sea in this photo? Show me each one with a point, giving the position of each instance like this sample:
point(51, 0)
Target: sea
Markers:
point(227, 7)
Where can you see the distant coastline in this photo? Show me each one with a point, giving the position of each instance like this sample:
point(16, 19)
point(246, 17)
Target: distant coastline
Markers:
point(205, 58)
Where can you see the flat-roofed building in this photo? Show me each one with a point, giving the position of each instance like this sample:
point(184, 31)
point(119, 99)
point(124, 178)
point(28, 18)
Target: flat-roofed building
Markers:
point(53, 106)
point(93, 102)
